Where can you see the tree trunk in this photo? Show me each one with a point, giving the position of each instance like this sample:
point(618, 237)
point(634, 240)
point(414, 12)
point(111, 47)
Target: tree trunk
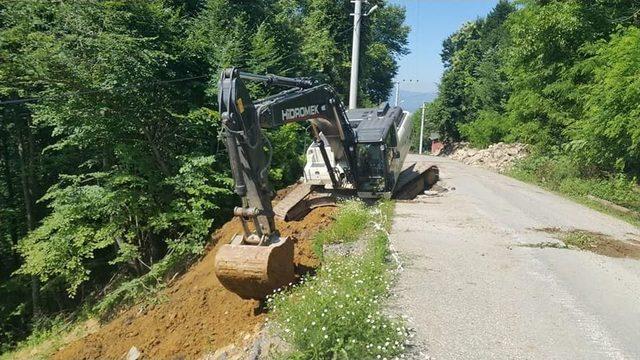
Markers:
point(27, 192)
point(27, 180)
point(9, 202)
point(156, 153)
point(11, 195)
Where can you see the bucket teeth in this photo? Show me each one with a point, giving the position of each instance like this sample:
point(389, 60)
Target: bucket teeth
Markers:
point(255, 271)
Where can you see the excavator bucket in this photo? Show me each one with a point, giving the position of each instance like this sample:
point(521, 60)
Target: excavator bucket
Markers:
point(254, 271)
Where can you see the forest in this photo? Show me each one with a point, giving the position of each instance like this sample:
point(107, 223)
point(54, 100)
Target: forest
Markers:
point(563, 76)
point(112, 172)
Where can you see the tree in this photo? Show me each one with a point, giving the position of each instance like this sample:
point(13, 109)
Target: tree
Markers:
point(474, 80)
point(115, 170)
point(607, 137)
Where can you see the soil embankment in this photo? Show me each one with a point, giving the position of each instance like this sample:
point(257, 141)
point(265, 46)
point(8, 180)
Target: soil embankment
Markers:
point(195, 315)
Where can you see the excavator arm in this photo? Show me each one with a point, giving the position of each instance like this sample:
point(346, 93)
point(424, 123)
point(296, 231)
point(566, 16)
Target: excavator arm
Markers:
point(259, 260)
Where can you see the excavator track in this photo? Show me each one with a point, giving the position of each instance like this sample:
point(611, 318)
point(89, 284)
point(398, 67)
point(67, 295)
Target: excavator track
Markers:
point(304, 198)
point(414, 179)
point(283, 208)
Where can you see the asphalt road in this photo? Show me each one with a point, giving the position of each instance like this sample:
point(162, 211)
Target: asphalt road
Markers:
point(472, 291)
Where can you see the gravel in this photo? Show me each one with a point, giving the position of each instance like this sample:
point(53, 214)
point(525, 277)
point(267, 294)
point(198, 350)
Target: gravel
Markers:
point(499, 157)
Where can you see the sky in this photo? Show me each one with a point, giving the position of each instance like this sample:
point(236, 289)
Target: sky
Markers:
point(431, 22)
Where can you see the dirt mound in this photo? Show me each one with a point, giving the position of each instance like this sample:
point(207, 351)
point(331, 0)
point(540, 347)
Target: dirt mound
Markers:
point(498, 157)
point(595, 242)
point(195, 315)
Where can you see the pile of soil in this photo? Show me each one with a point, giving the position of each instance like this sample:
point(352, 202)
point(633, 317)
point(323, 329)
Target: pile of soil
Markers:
point(195, 315)
point(596, 242)
point(498, 157)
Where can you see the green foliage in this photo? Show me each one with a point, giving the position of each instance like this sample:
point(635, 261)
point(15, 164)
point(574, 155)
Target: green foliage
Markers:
point(108, 210)
point(81, 223)
point(338, 314)
point(289, 139)
point(608, 134)
point(474, 78)
point(490, 127)
point(116, 175)
point(555, 74)
point(327, 46)
point(549, 170)
point(352, 218)
point(561, 173)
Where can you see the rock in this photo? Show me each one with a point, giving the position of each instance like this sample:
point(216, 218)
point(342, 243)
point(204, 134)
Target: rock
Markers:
point(224, 353)
point(134, 354)
point(498, 157)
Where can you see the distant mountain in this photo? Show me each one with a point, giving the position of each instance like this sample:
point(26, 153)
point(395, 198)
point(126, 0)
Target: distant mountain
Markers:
point(411, 100)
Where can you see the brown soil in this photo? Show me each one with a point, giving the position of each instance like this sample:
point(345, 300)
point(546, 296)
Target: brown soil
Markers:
point(195, 315)
point(597, 242)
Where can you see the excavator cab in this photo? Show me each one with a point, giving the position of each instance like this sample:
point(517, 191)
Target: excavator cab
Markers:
point(379, 151)
point(372, 169)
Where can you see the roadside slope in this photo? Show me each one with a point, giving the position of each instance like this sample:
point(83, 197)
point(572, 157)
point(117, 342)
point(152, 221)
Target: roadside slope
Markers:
point(473, 289)
point(195, 315)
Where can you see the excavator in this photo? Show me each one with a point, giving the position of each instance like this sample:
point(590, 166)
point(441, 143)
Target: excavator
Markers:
point(358, 152)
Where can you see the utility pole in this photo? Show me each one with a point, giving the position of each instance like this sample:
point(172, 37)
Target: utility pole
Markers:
point(422, 129)
point(355, 55)
point(397, 92)
point(397, 82)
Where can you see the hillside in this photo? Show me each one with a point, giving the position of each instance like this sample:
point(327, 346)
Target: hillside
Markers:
point(194, 315)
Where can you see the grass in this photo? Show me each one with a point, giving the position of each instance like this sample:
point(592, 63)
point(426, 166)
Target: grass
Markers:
point(560, 175)
point(598, 243)
point(48, 335)
point(351, 220)
point(581, 239)
point(339, 312)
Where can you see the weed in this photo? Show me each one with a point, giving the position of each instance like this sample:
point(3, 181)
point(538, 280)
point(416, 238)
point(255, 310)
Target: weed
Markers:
point(338, 314)
point(591, 241)
point(351, 220)
point(546, 244)
point(560, 174)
